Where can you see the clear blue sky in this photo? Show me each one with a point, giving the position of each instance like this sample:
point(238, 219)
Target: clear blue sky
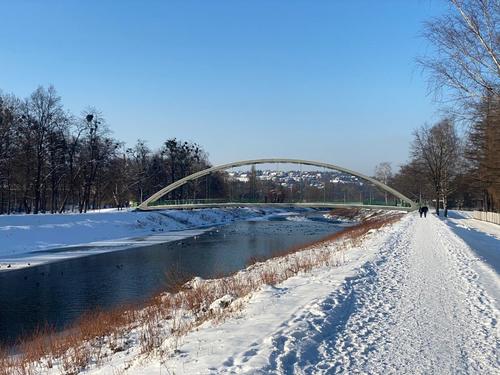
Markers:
point(333, 81)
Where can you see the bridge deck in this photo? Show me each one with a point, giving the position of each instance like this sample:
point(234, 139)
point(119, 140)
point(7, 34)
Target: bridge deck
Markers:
point(289, 205)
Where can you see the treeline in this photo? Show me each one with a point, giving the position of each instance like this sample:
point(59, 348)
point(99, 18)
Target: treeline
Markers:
point(462, 171)
point(53, 161)
point(450, 167)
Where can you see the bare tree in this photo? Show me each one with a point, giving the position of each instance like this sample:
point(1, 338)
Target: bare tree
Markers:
point(408, 180)
point(253, 183)
point(9, 106)
point(383, 172)
point(437, 149)
point(140, 156)
point(52, 161)
point(467, 50)
point(44, 117)
point(97, 149)
point(183, 158)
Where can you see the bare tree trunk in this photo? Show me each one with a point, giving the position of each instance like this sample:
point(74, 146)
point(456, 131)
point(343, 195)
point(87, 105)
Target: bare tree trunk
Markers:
point(437, 203)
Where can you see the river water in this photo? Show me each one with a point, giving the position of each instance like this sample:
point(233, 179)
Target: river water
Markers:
point(58, 293)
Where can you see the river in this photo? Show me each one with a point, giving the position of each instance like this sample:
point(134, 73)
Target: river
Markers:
point(58, 293)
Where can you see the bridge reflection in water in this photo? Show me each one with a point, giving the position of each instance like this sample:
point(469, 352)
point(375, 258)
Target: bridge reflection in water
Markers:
point(312, 184)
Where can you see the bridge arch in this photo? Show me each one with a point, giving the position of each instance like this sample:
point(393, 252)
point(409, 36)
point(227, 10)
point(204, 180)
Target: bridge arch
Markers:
point(409, 204)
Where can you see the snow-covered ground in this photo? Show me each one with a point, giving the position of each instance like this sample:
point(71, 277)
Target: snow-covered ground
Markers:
point(482, 236)
point(409, 300)
point(484, 240)
point(25, 239)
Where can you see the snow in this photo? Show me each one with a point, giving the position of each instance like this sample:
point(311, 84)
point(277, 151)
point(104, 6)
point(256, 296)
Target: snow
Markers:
point(484, 240)
point(222, 303)
point(415, 297)
point(26, 239)
point(408, 300)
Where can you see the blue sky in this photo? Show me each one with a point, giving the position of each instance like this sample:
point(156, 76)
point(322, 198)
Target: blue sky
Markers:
point(332, 81)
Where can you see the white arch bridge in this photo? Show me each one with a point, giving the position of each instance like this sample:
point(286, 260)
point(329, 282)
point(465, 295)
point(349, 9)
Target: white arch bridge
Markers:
point(155, 202)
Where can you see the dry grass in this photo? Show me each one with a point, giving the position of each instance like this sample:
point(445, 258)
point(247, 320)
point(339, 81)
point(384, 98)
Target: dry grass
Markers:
point(161, 323)
point(5, 361)
point(348, 213)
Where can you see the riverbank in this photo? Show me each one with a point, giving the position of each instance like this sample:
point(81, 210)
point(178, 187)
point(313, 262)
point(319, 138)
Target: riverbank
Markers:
point(128, 336)
point(58, 292)
point(27, 239)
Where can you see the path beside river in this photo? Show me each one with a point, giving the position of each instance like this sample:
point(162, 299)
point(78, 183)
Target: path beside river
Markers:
point(410, 300)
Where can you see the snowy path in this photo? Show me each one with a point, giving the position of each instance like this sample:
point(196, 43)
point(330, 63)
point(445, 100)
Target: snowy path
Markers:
point(414, 306)
point(415, 309)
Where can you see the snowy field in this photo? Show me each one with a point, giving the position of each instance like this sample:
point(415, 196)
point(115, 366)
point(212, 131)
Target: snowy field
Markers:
point(26, 239)
point(409, 300)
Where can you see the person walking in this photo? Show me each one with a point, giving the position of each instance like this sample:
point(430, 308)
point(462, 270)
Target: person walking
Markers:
point(424, 211)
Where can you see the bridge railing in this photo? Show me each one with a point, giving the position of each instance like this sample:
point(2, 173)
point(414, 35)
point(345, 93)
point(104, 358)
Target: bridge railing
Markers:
point(221, 202)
